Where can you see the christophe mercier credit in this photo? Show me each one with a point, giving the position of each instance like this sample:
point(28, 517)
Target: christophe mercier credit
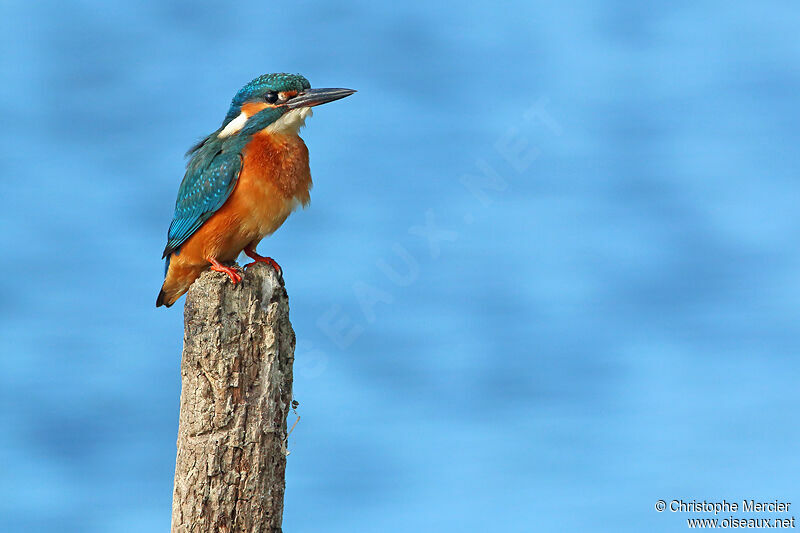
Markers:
point(747, 506)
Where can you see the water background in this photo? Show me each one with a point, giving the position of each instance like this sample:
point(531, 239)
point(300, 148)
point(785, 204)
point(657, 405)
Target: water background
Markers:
point(559, 242)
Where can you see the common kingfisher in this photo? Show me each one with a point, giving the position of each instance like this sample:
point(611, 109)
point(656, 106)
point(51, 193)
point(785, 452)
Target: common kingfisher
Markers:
point(242, 181)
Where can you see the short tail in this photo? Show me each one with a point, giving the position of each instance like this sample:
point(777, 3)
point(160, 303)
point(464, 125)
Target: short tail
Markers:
point(167, 296)
point(162, 299)
point(170, 292)
point(178, 280)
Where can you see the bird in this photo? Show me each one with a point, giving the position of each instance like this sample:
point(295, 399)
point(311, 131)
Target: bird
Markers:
point(242, 181)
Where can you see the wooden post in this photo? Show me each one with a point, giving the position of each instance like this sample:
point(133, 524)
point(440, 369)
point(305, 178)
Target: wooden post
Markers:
point(236, 372)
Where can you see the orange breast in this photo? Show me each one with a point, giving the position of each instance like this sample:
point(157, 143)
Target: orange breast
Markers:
point(275, 179)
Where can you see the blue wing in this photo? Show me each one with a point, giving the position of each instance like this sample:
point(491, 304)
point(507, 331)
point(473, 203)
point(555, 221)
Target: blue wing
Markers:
point(210, 178)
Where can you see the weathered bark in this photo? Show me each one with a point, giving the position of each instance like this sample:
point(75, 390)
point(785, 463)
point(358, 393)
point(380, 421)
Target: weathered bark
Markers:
point(236, 372)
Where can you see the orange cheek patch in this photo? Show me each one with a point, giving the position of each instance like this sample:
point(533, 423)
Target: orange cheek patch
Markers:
point(251, 108)
point(285, 95)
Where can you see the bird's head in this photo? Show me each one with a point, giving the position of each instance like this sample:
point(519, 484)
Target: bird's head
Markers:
point(277, 102)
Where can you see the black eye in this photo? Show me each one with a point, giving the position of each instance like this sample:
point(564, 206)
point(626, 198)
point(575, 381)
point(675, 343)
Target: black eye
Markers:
point(271, 97)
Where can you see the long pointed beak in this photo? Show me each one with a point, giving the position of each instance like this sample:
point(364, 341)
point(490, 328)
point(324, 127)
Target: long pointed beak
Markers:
point(312, 97)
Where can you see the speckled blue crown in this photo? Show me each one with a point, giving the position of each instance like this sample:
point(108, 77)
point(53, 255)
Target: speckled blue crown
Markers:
point(263, 84)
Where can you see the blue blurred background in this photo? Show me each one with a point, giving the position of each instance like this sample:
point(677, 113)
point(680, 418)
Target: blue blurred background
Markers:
point(549, 274)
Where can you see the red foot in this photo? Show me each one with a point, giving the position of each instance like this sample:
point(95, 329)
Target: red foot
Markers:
point(261, 259)
point(219, 267)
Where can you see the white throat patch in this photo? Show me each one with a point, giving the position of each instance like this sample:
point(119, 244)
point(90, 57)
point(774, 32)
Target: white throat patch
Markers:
point(234, 125)
point(291, 122)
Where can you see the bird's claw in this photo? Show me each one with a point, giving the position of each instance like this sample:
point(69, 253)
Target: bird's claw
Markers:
point(261, 259)
point(231, 272)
